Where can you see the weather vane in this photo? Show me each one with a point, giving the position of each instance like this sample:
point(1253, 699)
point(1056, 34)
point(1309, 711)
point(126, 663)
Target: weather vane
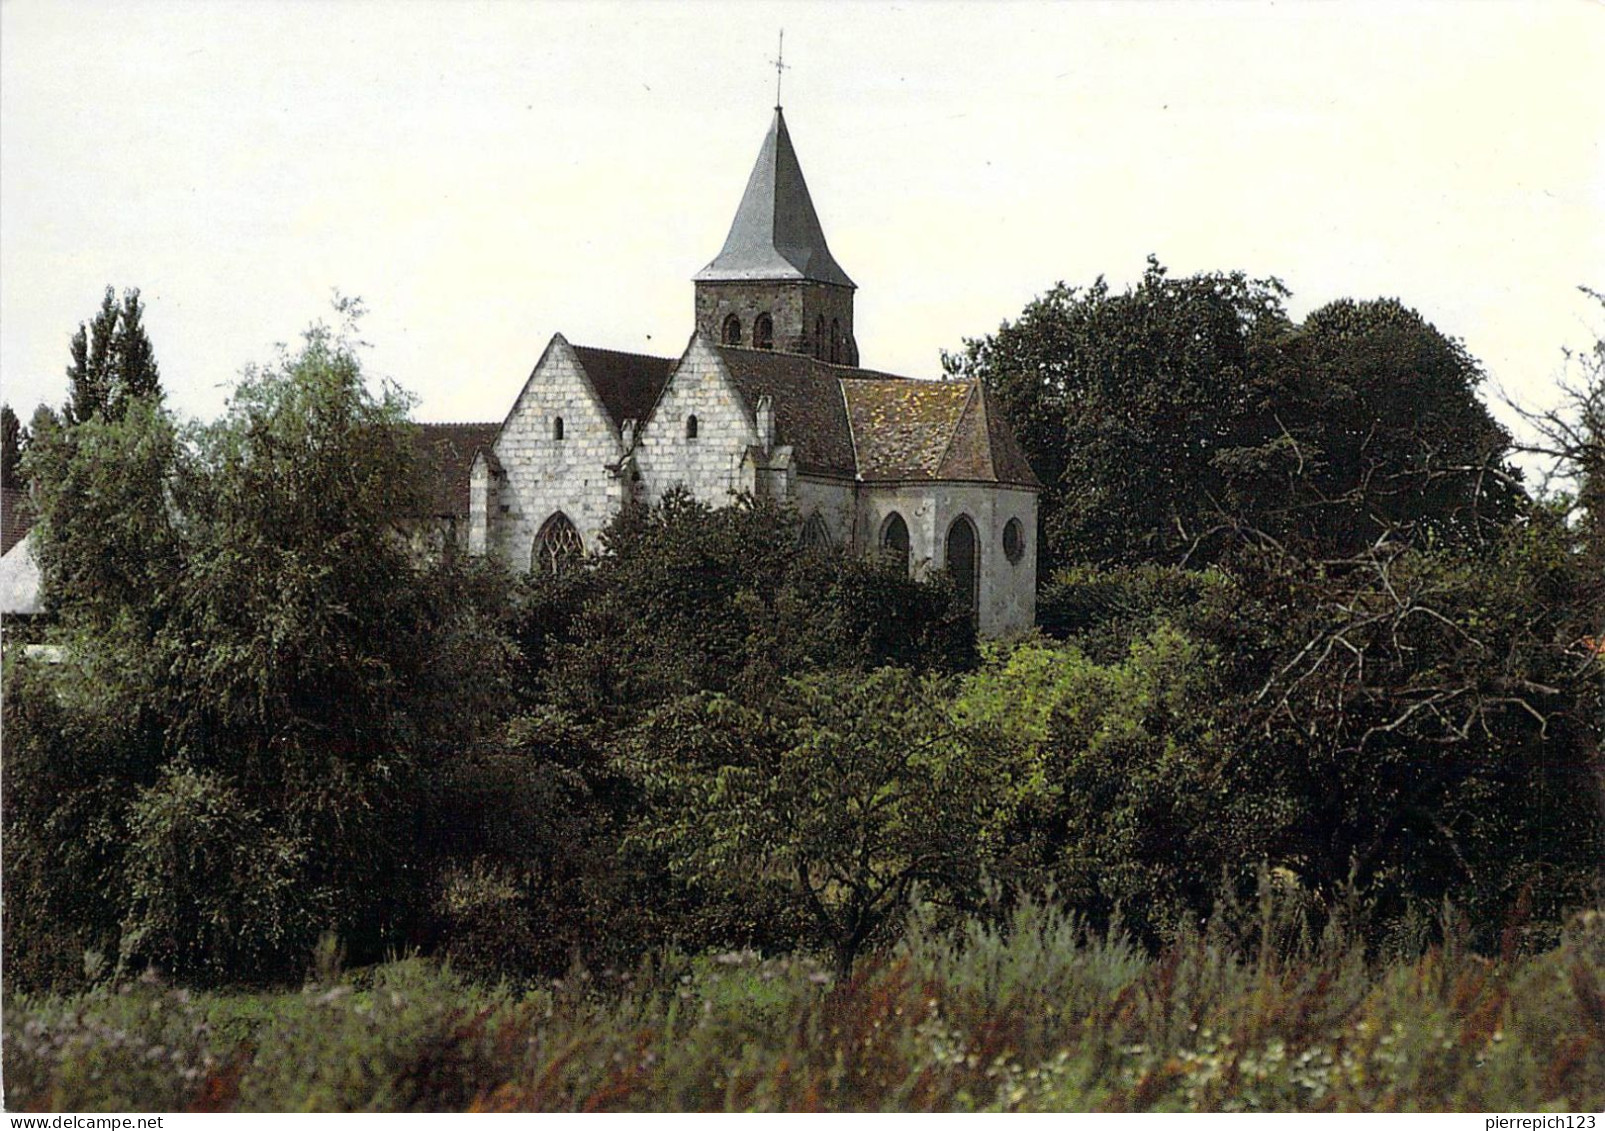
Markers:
point(780, 65)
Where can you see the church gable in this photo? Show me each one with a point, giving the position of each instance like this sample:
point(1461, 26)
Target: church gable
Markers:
point(561, 445)
point(698, 434)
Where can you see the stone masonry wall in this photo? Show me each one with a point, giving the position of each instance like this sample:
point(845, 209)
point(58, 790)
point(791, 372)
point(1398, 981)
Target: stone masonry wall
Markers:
point(545, 475)
point(1007, 590)
point(709, 466)
point(795, 307)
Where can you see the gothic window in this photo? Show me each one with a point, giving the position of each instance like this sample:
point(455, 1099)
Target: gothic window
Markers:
point(815, 534)
point(894, 538)
point(1014, 540)
point(835, 340)
point(819, 337)
point(962, 559)
point(763, 332)
point(691, 427)
point(732, 331)
point(557, 427)
point(557, 546)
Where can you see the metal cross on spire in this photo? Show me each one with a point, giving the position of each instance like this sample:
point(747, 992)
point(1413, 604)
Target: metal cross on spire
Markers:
point(780, 65)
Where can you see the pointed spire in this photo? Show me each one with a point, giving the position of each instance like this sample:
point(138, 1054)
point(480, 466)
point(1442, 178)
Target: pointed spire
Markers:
point(776, 232)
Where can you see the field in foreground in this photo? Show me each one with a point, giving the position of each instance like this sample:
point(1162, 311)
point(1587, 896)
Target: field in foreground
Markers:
point(1040, 1016)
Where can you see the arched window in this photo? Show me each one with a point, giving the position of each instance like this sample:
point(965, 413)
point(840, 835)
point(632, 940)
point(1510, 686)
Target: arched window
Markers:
point(894, 538)
point(557, 546)
point(962, 559)
point(815, 534)
point(732, 331)
point(835, 340)
point(1014, 540)
point(763, 332)
point(557, 427)
point(691, 427)
point(819, 337)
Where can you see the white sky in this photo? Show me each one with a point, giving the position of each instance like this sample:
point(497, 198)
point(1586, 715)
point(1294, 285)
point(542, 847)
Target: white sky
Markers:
point(485, 174)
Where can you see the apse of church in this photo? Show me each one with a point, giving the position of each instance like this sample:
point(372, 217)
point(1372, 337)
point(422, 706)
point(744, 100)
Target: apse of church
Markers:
point(767, 399)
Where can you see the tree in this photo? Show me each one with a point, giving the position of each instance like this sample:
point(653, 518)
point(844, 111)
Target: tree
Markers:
point(1122, 401)
point(112, 361)
point(13, 437)
point(1374, 430)
point(686, 597)
point(848, 793)
point(1184, 417)
point(278, 671)
point(105, 538)
point(1570, 440)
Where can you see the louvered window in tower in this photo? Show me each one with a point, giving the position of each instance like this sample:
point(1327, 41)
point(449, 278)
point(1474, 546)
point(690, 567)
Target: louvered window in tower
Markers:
point(763, 332)
point(732, 331)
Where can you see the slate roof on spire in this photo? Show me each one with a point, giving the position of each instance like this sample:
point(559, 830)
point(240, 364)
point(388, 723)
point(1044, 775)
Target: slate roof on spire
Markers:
point(776, 232)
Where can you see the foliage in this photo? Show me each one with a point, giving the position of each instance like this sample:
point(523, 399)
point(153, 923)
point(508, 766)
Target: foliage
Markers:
point(212, 888)
point(13, 438)
point(1175, 420)
point(284, 668)
point(113, 364)
point(75, 753)
point(686, 597)
point(1034, 1014)
point(849, 791)
point(1133, 798)
point(105, 537)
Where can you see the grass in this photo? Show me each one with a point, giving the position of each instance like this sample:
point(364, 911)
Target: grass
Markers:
point(1038, 1015)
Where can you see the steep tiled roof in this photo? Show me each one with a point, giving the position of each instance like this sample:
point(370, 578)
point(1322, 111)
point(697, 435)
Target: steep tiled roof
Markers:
point(445, 453)
point(776, 232)
point(901, 428)
point(809, 413)
point(16, 516)
point(879, 427)
point(628, 383)
point(982, 446)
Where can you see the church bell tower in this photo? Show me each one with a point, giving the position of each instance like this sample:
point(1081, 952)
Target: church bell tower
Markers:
point(775, 284)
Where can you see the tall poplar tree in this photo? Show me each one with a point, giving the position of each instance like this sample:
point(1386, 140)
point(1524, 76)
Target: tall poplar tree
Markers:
point(112, 361)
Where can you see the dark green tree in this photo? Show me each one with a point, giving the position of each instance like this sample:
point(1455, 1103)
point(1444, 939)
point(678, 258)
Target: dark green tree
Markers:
point(260, 674)
point(12, 439)
point(112, 361)
point(1371, 427)
point(1186, 416)
point(1122, 401)
point(686, 597)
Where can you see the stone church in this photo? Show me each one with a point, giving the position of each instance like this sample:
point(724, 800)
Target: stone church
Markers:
point(768, 399)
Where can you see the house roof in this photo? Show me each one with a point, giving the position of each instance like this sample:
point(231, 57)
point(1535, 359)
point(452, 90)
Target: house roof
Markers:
point(16, 516)
point(20, 581)
point(627, 383)
point(776, 233)
point(445, 454)
point(879, 427)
